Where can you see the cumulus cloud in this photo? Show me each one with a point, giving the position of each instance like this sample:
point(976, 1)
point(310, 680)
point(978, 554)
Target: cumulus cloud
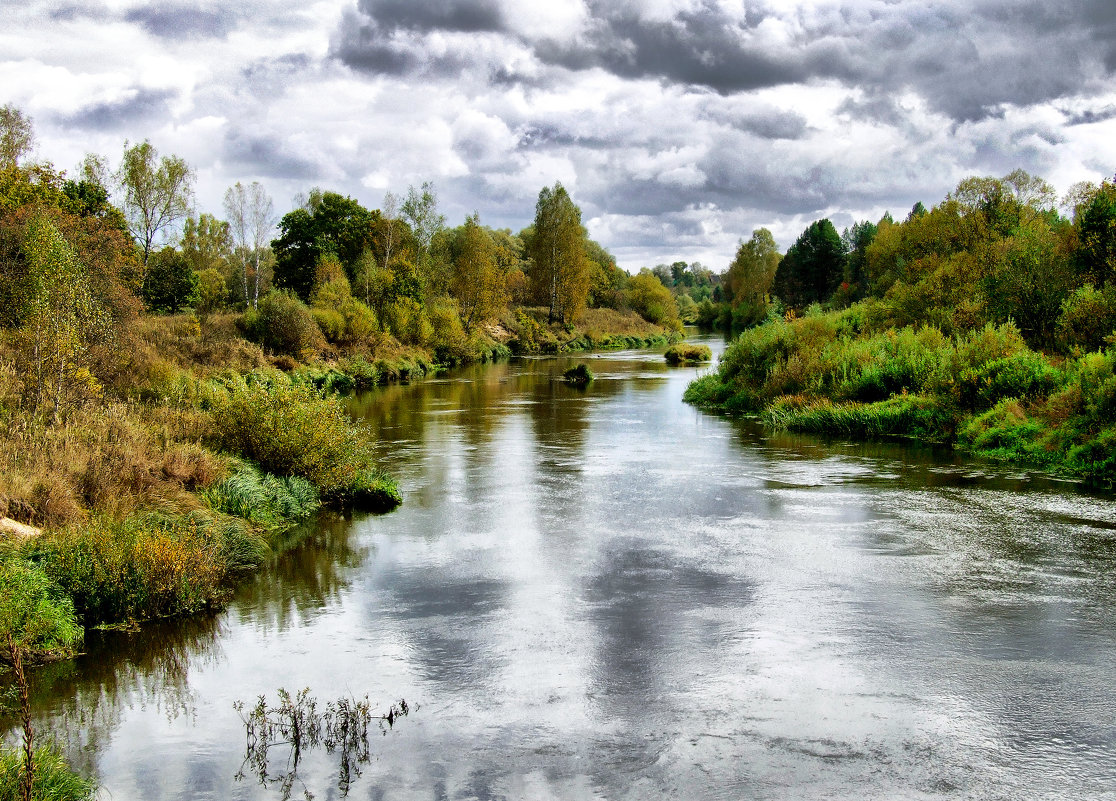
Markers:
point(678, 125)
point(173, 21)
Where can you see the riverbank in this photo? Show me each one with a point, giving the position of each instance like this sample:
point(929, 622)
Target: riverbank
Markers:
point(984, 391)
point(155, 501)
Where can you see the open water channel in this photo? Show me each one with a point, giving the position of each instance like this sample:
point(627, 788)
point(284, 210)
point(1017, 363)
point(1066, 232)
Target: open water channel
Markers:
point(606, 594)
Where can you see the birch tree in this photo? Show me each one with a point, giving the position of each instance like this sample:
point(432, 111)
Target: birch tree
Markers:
point(62, 318)
point(157, 192)
point(560, 274)
point(251, 214)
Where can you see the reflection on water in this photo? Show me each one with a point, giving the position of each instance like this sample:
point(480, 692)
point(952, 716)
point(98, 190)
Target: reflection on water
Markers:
point(607, 594)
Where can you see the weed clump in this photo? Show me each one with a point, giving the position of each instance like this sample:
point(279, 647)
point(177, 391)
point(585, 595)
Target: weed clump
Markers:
point(686, 353)
point(579, 376)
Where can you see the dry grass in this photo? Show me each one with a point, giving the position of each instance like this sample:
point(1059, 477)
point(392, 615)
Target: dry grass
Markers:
point(109, 461)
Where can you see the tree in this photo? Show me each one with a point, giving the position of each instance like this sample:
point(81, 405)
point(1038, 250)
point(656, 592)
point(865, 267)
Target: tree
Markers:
point(856, 240)
point(476, 282)
point(169, 283)
point(752, 271)
point(251, 215)
point(60, 320)
point(420, 210)
point(17, 136)
point(560, 275)
point(651, 300)
point(813, 267)
point(157, 192)
point(330, 223)
point(1095, 256)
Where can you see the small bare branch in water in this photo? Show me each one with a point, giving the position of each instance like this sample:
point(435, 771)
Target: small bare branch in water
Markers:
point(296, 724)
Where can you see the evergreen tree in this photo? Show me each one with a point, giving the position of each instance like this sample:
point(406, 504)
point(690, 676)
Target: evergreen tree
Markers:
point(813, 267)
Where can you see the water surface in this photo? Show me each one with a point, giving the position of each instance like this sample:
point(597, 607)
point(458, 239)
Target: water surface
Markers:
point(604, 593)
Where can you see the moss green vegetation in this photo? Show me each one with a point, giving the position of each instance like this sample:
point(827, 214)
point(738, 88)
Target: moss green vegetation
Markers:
point(687, 353)
point(579, 375)
point(984, 390)
point(53, 779)
point(988, 322)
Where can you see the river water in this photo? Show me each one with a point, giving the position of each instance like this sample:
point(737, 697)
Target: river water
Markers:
point(605, 593)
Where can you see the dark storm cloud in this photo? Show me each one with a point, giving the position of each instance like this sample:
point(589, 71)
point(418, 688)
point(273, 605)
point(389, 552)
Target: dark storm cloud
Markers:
point(704, 47)
point(178, 21)
point(468, 16)
point(764, 122)
point(967, 61)
point(1089, 115)
point(368, 47)
point(141, 104)
point(268, 156)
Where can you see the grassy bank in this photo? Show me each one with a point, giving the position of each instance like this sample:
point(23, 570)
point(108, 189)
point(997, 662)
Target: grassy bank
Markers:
point(985, 391)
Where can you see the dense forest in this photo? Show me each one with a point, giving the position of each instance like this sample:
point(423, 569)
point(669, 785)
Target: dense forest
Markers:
point(987, 321)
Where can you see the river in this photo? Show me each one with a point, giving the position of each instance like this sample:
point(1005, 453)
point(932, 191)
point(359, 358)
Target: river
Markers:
point(606, 594)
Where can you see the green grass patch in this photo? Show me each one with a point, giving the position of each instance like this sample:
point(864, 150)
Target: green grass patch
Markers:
point(53, 779)
point(686, 353)
point(903, 416)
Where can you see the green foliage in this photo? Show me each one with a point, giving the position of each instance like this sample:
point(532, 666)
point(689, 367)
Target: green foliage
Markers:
point(33, 612)
point(1088, 319)
point(560, 273)
point(652, 301)
point(685, 353)
point(752, 272)
point(293, 430)
point(579, 375)
point(913, 416)
point(283, 324)
point(53, 779)
point(148, 566)
point(332, 224)
point(812, 268)
point(60, 317)
point(274, 503)
point(169, 284)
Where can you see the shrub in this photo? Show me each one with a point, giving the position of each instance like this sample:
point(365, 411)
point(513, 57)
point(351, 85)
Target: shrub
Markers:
point(145, 567)
point(1006, 432)
point(579, 375)
point(37, 616)
point(272, 502)
point(283, 324)
point(294, 430)
point(685, 353)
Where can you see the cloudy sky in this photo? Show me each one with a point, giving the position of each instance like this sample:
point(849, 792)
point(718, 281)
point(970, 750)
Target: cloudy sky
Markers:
point(678, 126)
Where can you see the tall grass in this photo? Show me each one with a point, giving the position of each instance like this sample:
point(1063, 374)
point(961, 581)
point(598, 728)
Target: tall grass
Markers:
point(53, 779)
point(274, 503)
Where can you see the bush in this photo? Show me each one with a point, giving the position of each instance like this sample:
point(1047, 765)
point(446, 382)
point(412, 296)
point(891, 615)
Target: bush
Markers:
point(53, 779)
point(685, 353)
point(38, 617)
point(146, 567)
point(294, 430)
point(1088, 319)
point(283, 324)
point(579, 375)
